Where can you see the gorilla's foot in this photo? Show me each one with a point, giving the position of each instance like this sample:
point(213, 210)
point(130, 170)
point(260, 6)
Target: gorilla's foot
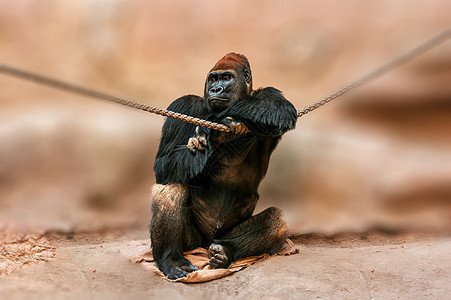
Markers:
point(176, 268)
point(219, 256)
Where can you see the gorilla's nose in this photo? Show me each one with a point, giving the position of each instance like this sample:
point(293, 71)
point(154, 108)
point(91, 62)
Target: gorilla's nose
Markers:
point(216, 90)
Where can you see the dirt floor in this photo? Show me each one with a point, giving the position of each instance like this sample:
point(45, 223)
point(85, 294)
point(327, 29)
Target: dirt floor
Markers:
point(370, 265)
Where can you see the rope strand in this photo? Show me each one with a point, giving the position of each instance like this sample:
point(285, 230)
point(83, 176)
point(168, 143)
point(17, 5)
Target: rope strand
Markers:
point(95, 94)
point(400, 60)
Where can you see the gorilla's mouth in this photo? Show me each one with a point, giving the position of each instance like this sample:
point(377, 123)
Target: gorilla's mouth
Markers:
point(217, 99)
point(218, 103)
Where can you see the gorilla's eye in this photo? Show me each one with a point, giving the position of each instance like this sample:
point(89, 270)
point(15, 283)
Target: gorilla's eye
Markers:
point(213, 78)
point(226, 77)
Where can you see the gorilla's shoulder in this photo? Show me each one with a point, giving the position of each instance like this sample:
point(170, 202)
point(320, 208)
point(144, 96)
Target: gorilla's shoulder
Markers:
point(268, 94)
point(192, 105)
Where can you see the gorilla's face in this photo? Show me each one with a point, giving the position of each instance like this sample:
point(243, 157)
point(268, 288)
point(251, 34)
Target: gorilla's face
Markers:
point(223, 88)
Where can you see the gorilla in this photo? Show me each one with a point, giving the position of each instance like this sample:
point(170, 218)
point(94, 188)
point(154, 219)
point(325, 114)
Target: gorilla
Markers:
point(207, 181)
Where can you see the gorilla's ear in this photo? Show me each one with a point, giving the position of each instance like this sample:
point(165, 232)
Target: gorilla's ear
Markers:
point(247, 75)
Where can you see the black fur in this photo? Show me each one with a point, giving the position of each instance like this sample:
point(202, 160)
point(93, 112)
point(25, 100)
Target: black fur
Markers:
point(174, 162)
point(265, 112)
point(222, 180)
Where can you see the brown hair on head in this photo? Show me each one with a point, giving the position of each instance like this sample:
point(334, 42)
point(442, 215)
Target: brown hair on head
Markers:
point(237, 62)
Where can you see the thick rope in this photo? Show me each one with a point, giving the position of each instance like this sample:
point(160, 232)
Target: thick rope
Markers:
point(44, 80)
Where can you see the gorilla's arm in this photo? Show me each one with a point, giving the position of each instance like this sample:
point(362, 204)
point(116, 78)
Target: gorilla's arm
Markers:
point(265, 112)
point(174, 162)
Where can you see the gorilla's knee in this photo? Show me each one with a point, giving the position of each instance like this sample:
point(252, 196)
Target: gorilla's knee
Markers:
point(276, 216)
point(277, 222)
point(169, 196)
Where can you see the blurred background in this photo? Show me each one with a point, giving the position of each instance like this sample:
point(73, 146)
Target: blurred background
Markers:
point(378, 158)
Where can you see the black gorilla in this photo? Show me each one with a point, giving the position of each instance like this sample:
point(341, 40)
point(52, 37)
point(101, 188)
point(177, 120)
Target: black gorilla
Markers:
point(207, 181)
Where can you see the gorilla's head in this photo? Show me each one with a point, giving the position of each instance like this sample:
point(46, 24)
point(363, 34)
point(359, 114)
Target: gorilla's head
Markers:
point(229, 80)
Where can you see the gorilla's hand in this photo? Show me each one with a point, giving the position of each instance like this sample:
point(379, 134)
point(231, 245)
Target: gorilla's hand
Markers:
point(235, 126)
point(198, 141)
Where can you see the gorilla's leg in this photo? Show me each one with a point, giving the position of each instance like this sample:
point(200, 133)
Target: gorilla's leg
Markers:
point(262, 233)
point(172, 230)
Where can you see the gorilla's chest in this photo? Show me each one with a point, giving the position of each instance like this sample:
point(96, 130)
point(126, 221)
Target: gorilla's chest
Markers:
point(239, 164)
